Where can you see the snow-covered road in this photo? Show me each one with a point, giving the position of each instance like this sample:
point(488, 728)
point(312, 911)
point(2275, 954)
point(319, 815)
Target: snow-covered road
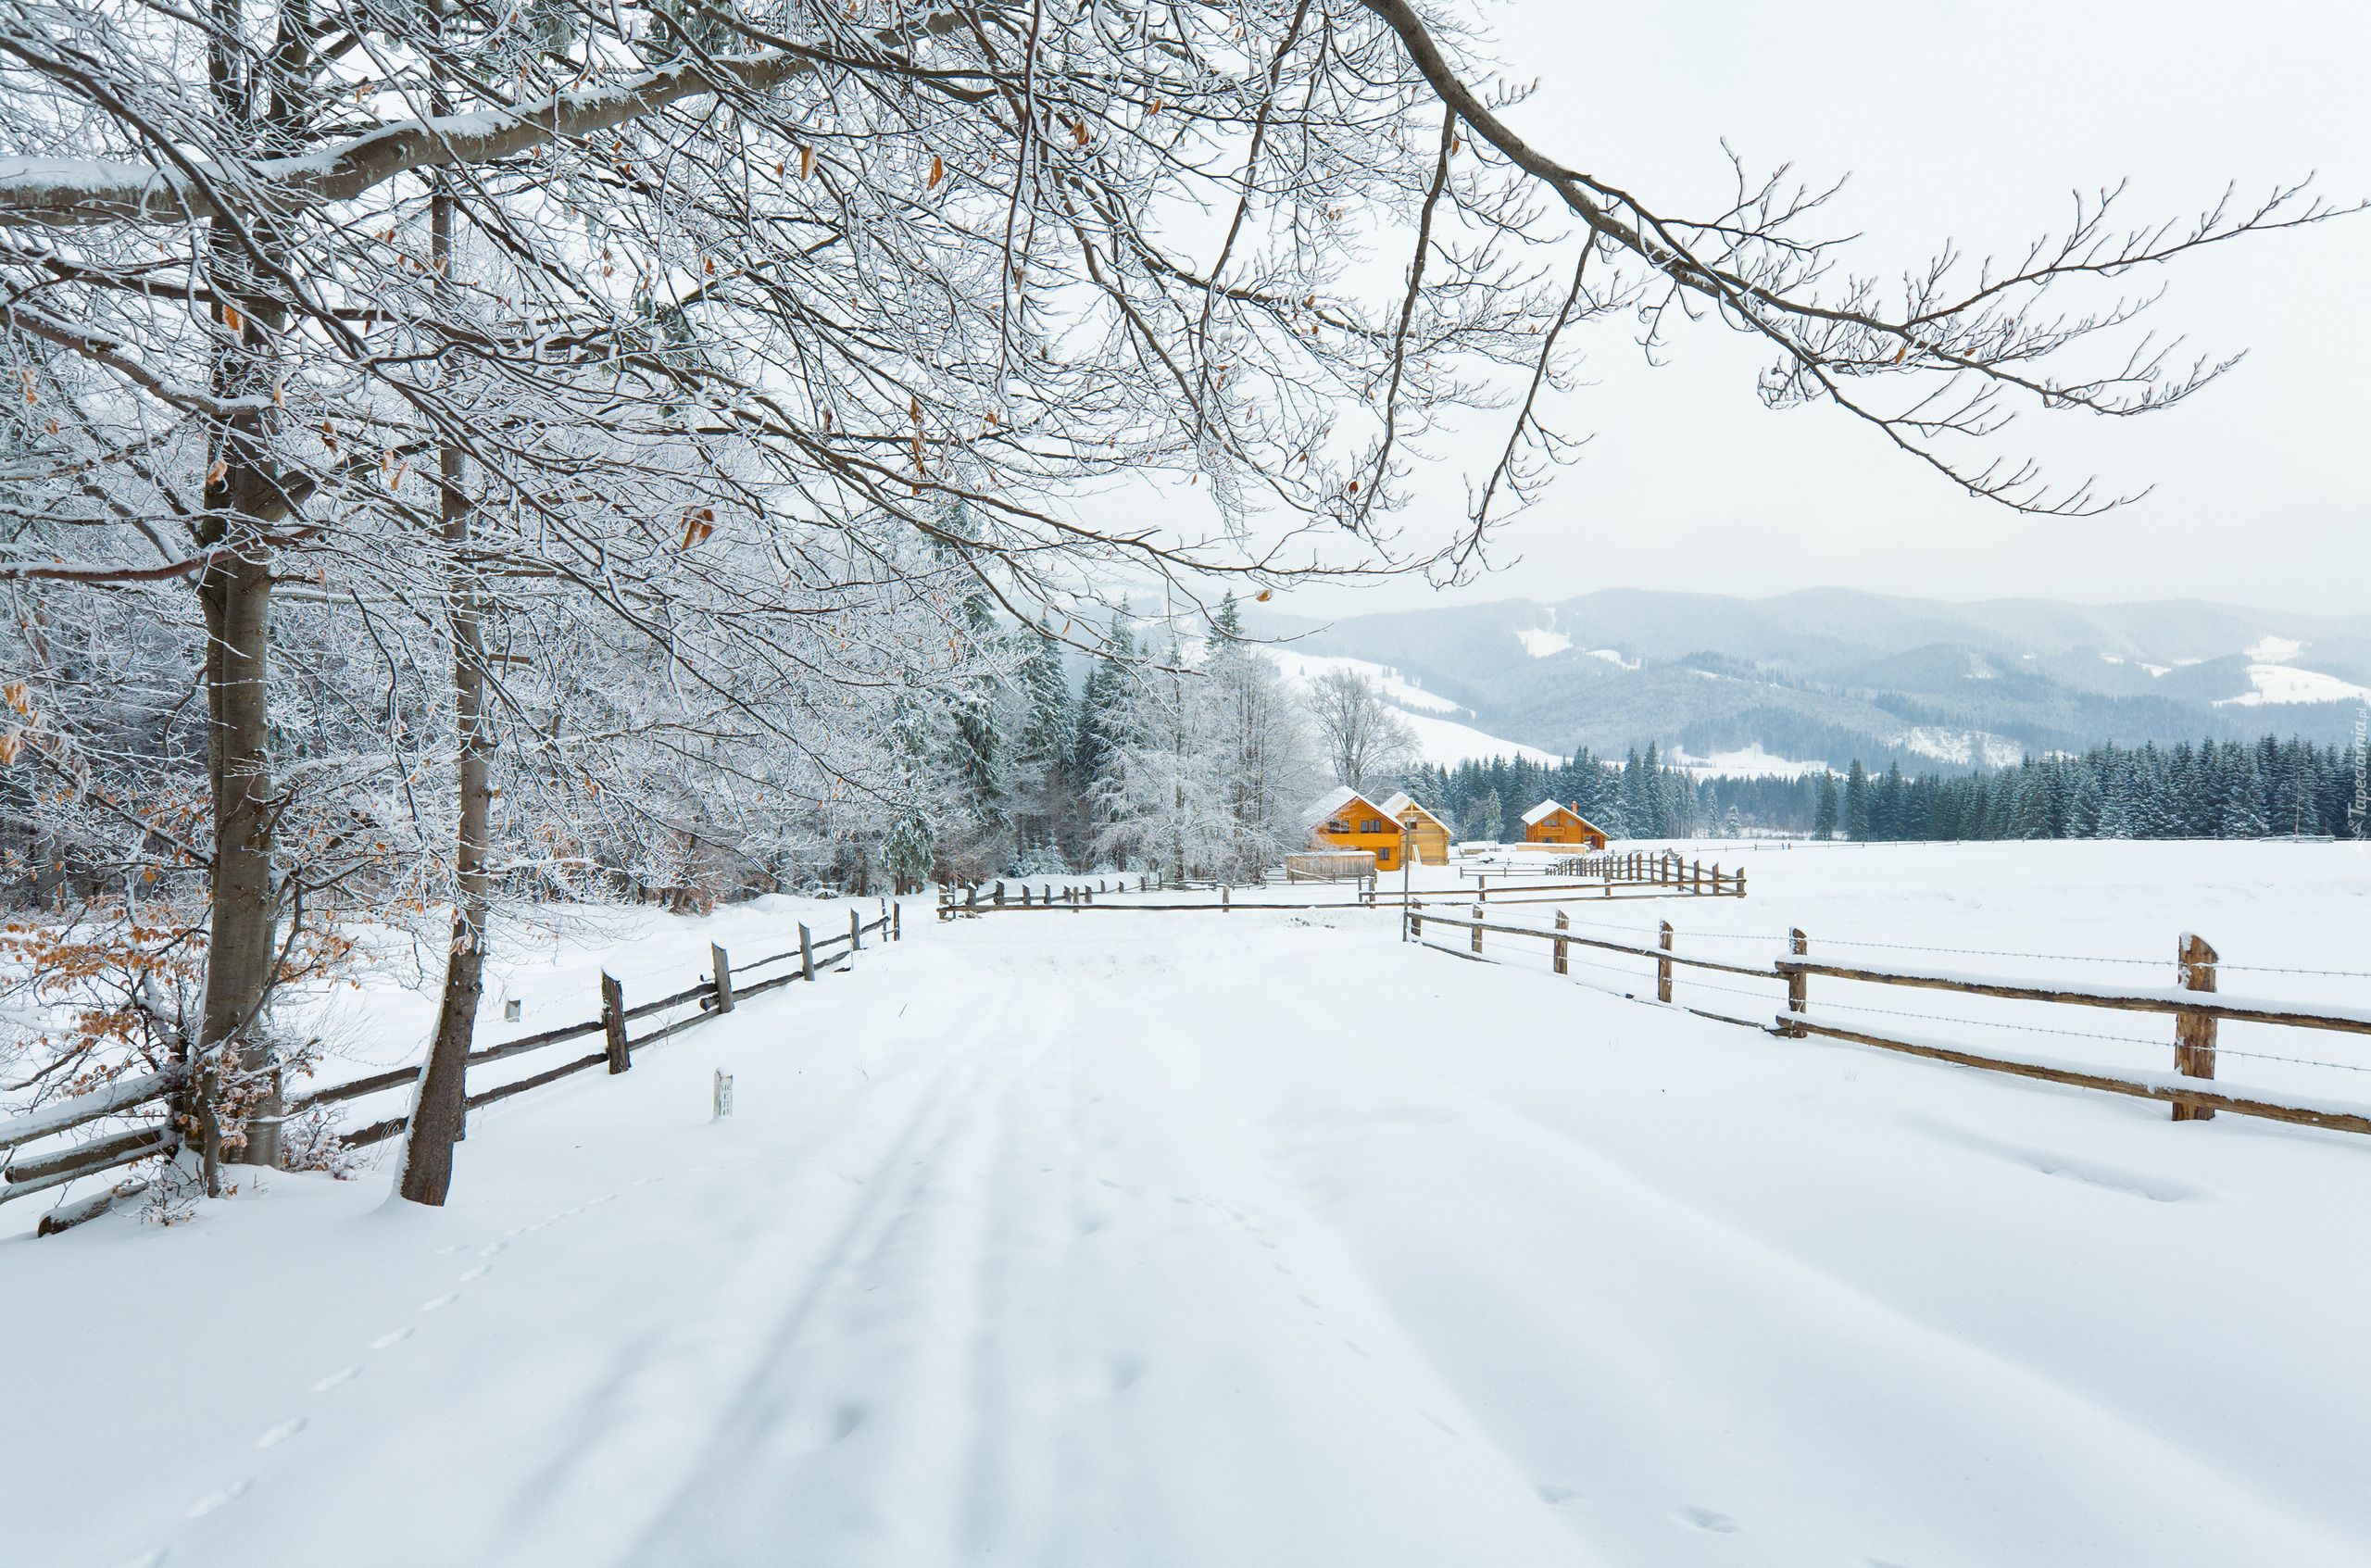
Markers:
point(1241, 1240)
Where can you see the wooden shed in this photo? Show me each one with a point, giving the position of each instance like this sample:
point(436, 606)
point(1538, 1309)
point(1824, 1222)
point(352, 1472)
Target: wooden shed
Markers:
point(1427, 835)
point(1344, 819)
point(1548, 822)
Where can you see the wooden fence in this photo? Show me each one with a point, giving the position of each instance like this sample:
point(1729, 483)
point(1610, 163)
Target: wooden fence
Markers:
point(716, 994)
point(2195, 1017)
point(1632, 875)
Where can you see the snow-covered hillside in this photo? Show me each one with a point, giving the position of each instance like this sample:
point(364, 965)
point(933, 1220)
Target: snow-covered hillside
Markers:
point(1438, 739)
point(1030, 1243)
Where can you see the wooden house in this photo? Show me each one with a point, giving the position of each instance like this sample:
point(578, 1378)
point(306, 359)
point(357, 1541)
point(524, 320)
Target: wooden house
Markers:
point(1427, 835)
point(1343, 819)
point(1548, 822)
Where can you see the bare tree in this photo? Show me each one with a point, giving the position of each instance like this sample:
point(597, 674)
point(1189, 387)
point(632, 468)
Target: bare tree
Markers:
point(1366, 742)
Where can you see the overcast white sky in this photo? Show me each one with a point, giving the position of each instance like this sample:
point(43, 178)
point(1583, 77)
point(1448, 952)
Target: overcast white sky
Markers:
point(1972, 122)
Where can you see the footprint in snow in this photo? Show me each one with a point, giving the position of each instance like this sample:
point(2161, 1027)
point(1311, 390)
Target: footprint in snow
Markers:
point(1357, 1348)
point(215, 1500)
point(334, 1379)
point(491, 1247)
point(1706, 1519)
point(1437, 1421)
point(281, 1433)
point(445, 1300)
point(1553, 1495)
point(386, 1341)
point(478, 1272)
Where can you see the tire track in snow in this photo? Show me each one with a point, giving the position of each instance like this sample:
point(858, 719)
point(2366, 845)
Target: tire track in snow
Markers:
point(659, 1437)
point(849, 1442)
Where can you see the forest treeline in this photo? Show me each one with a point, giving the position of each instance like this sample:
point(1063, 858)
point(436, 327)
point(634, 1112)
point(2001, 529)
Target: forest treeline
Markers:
point(2215, 789)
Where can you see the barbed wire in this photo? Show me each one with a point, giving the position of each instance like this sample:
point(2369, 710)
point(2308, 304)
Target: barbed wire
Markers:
point(2279, 968)
point(1971, 952)
point(1981, 1023)
point(2087, 1034)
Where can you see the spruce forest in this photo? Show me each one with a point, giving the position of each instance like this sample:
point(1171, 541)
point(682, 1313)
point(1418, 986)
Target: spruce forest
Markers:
point(2213, 790)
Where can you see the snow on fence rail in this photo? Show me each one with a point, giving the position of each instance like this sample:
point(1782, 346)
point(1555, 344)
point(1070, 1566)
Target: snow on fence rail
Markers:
point(716, 996)
point(2195, 1018)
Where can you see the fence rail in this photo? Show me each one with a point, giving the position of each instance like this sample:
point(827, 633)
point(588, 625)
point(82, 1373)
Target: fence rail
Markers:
point(716, 994)
point(1628, 876)
point(2196, 1006)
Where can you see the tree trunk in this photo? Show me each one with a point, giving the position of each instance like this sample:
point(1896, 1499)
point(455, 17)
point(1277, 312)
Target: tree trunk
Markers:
point(438, 1111)
point(240, 946)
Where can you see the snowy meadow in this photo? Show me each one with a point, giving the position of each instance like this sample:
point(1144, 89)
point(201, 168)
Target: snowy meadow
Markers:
point(1263, 1238)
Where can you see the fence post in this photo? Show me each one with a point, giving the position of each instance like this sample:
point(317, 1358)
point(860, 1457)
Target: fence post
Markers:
point(1740, 883)
point(1662, 969)
point(897, 922)
point(2194, 1032)
point(1226, 898)
point(724, 1092)
point(1798, 985)
point(999, 893)
point(806, 955)
point(613, 1021)
point(1563, 962)
point(723, 972)
point(1716, 879)
point(1416, 921)
point(856, 931)
point(1477, 928)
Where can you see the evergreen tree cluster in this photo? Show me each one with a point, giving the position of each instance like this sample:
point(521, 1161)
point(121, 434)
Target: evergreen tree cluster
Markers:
point(1197, 765)
point(1637, 797)
point(2215, 789)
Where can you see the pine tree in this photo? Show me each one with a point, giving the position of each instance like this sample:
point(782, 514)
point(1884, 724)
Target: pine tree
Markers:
point(2243, 815)
point(1857, 825)
point(1823, 817)
point(2030, 797)
point(1042, 761)
point(2086, 805)
point(1889, 812)
point(1482, 818)
point(910, 848)
point(1104, 722)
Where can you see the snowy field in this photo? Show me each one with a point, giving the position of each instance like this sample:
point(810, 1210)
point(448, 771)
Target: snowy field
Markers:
point(1262, 1239)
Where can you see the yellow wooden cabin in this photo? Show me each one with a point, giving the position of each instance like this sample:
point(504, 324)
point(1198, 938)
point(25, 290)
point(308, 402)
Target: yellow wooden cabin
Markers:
point(1347, 820)
point(1548, 822)
point(1427, 835)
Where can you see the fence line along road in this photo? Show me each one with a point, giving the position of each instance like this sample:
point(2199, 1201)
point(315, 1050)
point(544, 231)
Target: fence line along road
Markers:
point(1631, 875)
point(717, 994)
point(2196, 1017)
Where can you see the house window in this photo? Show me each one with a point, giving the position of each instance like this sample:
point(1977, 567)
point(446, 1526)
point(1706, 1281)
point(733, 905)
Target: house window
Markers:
point(1370, 825)
point(1383, 856)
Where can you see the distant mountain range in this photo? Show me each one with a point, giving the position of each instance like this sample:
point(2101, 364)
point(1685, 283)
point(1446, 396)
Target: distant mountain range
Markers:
point(1829, 674)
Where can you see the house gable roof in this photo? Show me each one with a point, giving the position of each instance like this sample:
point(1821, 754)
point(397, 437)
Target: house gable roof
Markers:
point(1544, 811)
point(1399, 805)
point(1330, 804)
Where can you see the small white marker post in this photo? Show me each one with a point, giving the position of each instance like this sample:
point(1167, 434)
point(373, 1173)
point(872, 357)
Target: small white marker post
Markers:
point(723, 1093)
